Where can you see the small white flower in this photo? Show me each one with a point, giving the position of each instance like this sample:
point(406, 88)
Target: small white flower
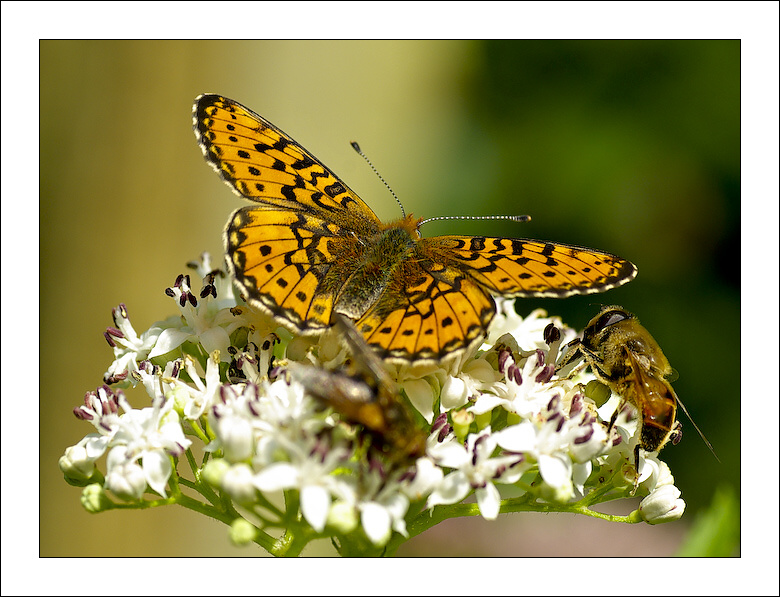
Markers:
point(214, 277)
point(426, 478)
point(379, 518)
point(233, 418)
point(475, 468)
point(101, 408)
point(653, 473)
point(553, 440)
point(382, 508)
point(236, 436)
point(204, 321)
point(309, 471)
point(204, 395)
point(476, 377)
point(528, 388)
point(150, 435)
point(129, 348)
point(283, 410)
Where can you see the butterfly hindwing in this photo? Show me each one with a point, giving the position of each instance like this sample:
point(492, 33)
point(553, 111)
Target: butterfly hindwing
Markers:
point(433, 312)
point(281, 260)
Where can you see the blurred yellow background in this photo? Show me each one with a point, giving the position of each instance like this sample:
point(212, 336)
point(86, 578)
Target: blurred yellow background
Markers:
point(630, 147)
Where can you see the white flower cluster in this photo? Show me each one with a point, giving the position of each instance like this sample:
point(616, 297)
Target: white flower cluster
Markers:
point(224, 374)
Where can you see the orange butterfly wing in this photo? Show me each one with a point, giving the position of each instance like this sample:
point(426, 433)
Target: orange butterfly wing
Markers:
point(262, 163)
point(531, 268)
point(280, 251)
point(428, 312)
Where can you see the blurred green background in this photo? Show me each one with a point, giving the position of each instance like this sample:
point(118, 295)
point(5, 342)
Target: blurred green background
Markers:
point(632, 147)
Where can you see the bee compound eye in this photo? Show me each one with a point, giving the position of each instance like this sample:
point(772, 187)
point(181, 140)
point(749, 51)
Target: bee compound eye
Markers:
point(611, 318)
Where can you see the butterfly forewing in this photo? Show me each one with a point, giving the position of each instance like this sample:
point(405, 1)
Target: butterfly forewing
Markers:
point(523, 267)
point(262, 163)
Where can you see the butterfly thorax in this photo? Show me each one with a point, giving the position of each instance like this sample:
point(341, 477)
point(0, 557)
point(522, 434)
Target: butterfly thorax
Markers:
point(375, 267)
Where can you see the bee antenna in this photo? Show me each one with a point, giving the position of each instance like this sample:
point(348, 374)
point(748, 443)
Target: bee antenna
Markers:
point(359, 151)
point(511, 218)
point(709, 445)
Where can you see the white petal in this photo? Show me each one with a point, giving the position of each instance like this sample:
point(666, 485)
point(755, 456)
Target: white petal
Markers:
point(238, 482)
point(517, 438)
point(449, 453)
point(453, 488)
point(315, 503)
point(454, 393)
point(489, 500)
point(280, 475)
point(157, 469)
point(581, 472)
point(169, 339)
point(96, 445)
point(420, 394)
point(397, 505)
point(216, 338)
point(482, 371)
point(556, 471)
point(487, 402)
point(376, 522)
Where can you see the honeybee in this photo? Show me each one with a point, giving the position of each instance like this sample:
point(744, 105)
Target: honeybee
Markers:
point(626, 358)
point(366, 394)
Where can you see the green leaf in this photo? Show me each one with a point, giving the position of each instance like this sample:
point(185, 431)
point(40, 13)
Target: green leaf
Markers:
point(715, 531)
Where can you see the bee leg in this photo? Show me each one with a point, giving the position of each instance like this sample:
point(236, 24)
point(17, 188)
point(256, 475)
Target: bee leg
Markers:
point(636, 468)
point(613, 418)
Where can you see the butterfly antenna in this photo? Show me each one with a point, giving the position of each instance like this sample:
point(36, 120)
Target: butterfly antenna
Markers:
point(359, 151)
point(511, 218)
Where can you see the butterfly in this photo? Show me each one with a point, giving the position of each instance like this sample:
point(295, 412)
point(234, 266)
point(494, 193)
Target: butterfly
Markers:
point(310, 248)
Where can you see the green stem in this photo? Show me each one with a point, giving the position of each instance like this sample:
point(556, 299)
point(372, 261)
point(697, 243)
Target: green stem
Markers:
point(425, 520)
point(293, 541)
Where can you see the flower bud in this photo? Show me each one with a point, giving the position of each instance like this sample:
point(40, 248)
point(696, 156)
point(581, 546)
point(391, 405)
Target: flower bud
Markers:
point(662, 505)
point(342, 517)
point(94, 499)
point(238, 483)
point(214, 471)
point(242, 532)
point(76, 465)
